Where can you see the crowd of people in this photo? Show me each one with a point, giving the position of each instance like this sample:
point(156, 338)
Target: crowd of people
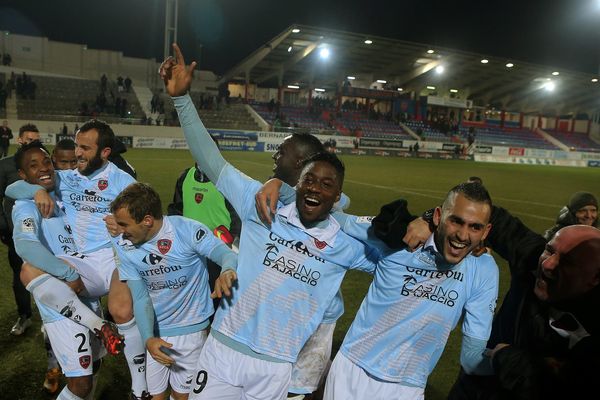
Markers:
point(257, 320)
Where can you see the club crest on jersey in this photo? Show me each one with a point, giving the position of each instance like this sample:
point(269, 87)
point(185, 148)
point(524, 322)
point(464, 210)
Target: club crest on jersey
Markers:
point(199, 197)
point(102, 184)
point(320, 245)
point(164, 245)
point(85, 361)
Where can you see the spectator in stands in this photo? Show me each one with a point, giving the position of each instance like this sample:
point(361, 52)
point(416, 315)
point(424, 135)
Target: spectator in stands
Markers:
point(75, 129)
point(65, 131)
point(119, 83)
point(8, 174)
point(416, 148)
point(154, 103)
point(128, 84)
point(5, 136)
point(103, 83)
point(582, 209)
point(123, 110)
point(3, 96)
point(6, 60)
point(118, 102)
point(10, 85)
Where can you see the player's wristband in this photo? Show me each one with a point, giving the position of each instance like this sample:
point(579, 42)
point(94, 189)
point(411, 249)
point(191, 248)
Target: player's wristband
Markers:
point(428, 215)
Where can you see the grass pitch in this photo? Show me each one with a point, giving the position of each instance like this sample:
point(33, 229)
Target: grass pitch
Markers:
point(533, 193)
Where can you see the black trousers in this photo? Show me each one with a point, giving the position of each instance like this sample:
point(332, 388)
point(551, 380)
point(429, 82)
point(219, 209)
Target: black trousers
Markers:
point(22, 296)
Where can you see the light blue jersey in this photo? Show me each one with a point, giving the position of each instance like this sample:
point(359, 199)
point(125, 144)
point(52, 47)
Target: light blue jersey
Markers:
point(173, 267)
point(87, 201)
point(54, 234)
point(413, 303)
point(287, 275)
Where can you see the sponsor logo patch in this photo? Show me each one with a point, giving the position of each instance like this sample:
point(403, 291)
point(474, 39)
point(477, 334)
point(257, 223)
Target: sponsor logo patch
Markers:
point(199, 197)
point(102, 184)
point(364, 220)
point(85, 361)
point(320, 245)
point(164, 245)
point(200, 234)
point(27, 225)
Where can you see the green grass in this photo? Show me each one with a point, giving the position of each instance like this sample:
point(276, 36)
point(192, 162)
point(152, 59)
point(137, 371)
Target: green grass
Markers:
point(534, 193)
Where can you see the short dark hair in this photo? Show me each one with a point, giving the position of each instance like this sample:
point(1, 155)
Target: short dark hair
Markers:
point(65, 144)
point(473, 191)
point(307, 144)
point(28, 128)
point(140, 199)
point(106, 136)
point(329, 158)
point(20, 153)
point(475, 179)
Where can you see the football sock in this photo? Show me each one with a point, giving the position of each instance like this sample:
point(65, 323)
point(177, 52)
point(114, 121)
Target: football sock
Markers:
point(135, 354)
point(59, 296)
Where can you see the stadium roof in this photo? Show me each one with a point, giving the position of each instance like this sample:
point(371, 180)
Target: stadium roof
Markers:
point(292, 57)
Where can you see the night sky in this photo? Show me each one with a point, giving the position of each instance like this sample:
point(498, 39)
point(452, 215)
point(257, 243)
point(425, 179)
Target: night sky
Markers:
point(220, 33)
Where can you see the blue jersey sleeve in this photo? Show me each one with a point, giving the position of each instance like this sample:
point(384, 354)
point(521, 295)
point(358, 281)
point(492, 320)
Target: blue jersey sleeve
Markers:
point(142, 309)
point(21, 190)
point(127, 270)
point(481, 304)
point(359, 228)
point(26, 235)
point(239, 190)
point(206, 244)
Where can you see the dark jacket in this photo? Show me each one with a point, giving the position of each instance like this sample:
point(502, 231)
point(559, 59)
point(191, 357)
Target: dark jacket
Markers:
point(538, 364)
point(8, 175)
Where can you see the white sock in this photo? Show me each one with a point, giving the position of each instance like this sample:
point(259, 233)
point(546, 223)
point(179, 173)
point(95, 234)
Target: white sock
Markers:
point(58, 295)
point(135, 354)
point(66, 394)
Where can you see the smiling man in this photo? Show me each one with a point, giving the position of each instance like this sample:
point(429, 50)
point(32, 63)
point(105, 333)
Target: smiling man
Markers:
point(287, 273)
point(87, 192)
point(51, 263)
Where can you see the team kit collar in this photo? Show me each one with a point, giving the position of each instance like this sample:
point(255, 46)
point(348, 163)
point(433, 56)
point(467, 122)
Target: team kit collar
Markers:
point(430, 249)
point(325, 233)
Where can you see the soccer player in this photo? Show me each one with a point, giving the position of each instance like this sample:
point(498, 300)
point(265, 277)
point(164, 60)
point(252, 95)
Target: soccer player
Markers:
point(287, 273)
point(309, 370)
point(63, 155)
point(86, 194)
point(48, 243)
point(163, 260)
point(8, 175)
point(415, 300)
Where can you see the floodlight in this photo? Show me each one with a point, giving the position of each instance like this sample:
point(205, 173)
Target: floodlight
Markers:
point(594, 80)
point(439, 69)
point(431, 87)
point(368, 41)
point(430, 51)
point(453, 90)
point(510, 65)
point(381, 81)
point(556, 73)
point(293, 87)
point(351, 78)
point(319, 90)
point(289, 49)
point(324, 53)
point(295, 30)
point(485, 61)
point(400, 89)
point(550, 86)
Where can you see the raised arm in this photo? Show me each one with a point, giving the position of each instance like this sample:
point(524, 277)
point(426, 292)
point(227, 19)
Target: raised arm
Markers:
point(178, 79)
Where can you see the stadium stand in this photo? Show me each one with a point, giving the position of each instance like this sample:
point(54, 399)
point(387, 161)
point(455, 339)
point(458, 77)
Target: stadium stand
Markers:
point(576, 141)
point(2, 86)
point(508, 137)
point(58, 98)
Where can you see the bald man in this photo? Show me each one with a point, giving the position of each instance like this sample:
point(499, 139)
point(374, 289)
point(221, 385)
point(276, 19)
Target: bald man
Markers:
point(545, 341)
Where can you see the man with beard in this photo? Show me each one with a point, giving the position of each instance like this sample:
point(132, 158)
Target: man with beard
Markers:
point(86, 193)
point(287, 273)
point(415, 300)
point(545, 336)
